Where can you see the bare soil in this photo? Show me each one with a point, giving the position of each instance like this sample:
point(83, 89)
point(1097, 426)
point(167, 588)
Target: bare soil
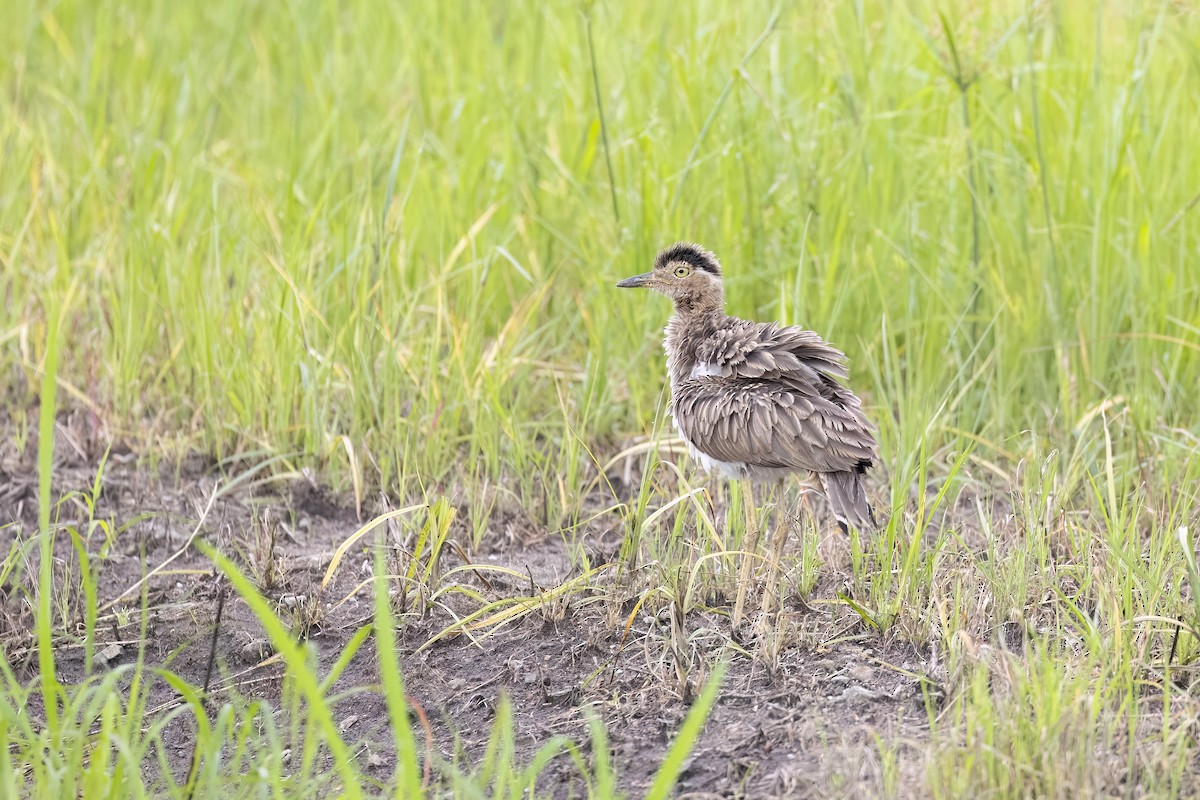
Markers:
point(800, 722)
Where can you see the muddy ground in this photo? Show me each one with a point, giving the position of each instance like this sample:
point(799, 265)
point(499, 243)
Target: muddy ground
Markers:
point(803, 722)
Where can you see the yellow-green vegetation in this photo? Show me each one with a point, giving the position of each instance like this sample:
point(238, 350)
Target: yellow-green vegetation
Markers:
point(377, 241)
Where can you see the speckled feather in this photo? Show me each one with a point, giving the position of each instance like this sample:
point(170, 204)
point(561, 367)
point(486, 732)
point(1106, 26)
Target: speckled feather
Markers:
point(761, 400)
point(766, 396)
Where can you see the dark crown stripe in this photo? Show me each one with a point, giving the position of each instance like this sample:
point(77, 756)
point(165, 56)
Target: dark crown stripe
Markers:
point(693, 255)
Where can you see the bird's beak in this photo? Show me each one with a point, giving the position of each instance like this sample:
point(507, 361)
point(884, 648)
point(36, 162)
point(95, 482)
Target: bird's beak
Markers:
point(636, 281)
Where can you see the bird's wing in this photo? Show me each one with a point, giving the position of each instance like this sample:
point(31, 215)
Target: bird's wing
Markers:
point(769, 396)
point(744, 349)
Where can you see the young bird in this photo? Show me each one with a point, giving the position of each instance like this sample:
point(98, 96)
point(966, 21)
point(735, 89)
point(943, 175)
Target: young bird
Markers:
point(758, 401)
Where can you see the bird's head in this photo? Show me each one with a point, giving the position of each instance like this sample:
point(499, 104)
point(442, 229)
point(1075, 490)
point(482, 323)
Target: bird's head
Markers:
point(686, 273)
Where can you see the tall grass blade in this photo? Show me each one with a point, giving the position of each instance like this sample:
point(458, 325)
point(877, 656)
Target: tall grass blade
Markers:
point(408, 777)
point(299, 668)
point(685, 740)
point(45, 460)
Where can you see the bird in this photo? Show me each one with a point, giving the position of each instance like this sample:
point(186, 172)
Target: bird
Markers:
point(758, 401)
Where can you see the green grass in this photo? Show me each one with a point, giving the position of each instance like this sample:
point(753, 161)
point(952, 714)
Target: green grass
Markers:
point(383, 237)
point(378, 240)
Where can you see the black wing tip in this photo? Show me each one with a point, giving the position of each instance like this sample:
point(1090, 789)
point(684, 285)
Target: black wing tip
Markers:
point(859, 525)
point(863, 465)
point(692, 254)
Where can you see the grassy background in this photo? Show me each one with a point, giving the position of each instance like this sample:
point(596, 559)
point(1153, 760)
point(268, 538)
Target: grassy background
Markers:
point(379, 239)
point(388, 229)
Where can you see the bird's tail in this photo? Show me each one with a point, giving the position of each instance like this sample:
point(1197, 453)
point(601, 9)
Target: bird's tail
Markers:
point(848, 500)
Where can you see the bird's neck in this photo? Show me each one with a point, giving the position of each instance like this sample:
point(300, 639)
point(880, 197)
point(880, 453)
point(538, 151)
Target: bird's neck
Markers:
point(699, 305)
point(687, 328)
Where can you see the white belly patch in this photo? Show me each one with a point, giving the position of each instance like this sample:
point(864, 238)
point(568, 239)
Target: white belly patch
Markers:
point(730, 469)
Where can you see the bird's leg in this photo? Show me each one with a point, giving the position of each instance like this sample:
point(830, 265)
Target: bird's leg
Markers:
point(778, 542)
point(750, 548)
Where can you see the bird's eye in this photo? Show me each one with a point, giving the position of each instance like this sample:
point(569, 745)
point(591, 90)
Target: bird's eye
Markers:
point(682, 272)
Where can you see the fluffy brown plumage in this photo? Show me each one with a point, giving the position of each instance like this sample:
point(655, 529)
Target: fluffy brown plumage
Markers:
point(758, 400)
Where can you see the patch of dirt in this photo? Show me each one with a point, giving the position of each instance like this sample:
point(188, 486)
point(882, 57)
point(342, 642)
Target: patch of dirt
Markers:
point(806, 726)
point(780, 733)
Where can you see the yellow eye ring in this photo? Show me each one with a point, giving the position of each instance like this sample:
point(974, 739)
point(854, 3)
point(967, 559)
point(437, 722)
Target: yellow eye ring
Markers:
point(682, 272)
